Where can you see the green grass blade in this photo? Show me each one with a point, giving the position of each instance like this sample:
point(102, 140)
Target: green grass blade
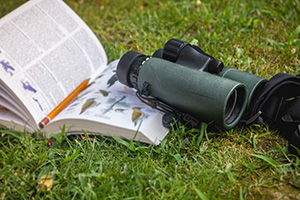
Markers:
point(200, 194)
point(271, 161)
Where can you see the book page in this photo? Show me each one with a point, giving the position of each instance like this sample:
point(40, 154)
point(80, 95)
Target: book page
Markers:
point(8, 100)
point(110, 103)
point(46, 51)
point(10, 107)
point(10, 120)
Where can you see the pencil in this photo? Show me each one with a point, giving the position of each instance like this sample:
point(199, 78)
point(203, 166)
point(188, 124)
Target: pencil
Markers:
point(64, 103)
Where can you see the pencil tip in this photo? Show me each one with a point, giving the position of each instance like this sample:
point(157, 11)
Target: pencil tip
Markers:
point(41, 125)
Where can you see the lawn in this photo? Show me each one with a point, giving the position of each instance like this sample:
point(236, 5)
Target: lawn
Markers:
point(260, 37)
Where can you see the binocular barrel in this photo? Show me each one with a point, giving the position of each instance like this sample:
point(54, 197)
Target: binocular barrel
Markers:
point(194, 57)
point(253, 83)
point(199, 93)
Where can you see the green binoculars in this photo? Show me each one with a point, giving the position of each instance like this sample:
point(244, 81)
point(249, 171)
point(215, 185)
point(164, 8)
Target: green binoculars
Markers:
point(191, 81)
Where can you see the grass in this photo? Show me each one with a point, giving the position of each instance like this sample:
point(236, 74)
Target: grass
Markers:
point(261, 37)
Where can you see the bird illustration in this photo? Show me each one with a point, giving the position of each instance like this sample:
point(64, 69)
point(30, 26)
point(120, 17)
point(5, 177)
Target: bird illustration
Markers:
point(104, 93)
point(119, 110)
point(113, 102)
point(88, 104)
point(27, 86)
point(37, 101)
point(112, 80)
point(7, 67)
point(137, 115)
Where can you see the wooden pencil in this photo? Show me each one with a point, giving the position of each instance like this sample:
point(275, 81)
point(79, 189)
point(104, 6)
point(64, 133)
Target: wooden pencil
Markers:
point(64, 103)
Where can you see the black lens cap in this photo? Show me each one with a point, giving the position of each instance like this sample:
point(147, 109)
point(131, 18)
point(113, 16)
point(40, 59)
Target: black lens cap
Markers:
point(124, 65)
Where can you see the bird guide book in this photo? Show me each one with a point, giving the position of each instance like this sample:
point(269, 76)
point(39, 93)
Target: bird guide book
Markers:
point(46, 51)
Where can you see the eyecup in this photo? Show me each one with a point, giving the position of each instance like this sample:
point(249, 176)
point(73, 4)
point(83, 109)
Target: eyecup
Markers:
point(216, 66)
point(172, 49)
point(124, 65)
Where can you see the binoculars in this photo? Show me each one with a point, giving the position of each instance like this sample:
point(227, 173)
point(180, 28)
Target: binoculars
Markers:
point(186, 80)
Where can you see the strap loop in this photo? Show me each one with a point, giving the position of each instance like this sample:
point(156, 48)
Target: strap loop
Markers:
point(278, 103)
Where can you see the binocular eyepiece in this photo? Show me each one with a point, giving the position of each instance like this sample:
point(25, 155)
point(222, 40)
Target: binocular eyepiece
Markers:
point(189, 80)
point(188, 55)
point(129, 67)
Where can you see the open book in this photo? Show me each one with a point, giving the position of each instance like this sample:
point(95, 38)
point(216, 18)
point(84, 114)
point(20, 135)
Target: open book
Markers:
point(46, 51)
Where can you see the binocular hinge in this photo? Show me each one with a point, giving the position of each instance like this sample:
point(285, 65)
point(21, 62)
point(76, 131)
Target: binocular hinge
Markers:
point(155, 103)
point(171, 114)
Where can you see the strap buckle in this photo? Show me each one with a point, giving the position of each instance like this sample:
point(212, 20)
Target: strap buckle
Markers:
point(254, 118)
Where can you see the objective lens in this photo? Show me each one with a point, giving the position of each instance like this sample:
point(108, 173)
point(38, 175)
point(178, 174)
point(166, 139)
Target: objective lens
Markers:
point(230, 105)
point(234, 105)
